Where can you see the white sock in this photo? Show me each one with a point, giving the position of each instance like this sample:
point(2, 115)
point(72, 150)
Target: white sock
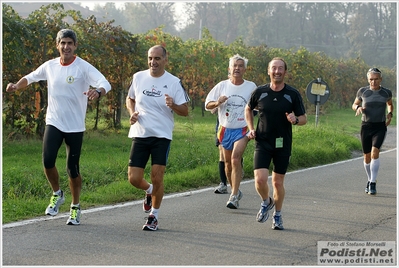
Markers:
point(265, 202)
point(154, 211)
point(149, 190)
point(374, 166)
point(368, 171)
point(75, 205)
point(57, 193)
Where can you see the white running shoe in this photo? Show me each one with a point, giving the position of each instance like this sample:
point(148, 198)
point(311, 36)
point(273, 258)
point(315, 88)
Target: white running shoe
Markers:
point(74, 216)
point(55, 202)
point(221, 189)
point(233, 202)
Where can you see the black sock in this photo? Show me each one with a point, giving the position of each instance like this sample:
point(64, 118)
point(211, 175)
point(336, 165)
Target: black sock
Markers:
point(222, 173)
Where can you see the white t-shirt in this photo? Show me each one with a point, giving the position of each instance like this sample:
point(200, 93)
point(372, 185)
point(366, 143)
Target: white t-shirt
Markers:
point(67, 102)
point(155, 119)
point(231, 113)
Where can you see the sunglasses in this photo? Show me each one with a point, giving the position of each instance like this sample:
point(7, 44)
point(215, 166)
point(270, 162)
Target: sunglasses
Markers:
point(374, 70)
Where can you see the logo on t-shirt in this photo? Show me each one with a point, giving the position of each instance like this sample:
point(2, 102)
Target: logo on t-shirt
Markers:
point(153, 92)
point(70, 79)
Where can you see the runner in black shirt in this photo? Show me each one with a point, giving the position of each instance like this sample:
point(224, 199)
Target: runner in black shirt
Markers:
point(280, 106)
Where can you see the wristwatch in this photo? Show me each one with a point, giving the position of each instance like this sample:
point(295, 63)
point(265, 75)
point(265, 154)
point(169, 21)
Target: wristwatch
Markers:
point(296, 121)
point(99, 93)
point(391, 114)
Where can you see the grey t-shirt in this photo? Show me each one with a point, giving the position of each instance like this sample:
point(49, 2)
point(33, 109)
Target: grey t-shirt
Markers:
point(374, 103)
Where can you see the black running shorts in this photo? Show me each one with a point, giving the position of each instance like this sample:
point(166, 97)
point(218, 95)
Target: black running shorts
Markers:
point(143, 148)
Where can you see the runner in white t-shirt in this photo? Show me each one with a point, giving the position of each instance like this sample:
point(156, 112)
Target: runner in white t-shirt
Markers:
point(68, 80)
point(153, 98)
point(230, 97)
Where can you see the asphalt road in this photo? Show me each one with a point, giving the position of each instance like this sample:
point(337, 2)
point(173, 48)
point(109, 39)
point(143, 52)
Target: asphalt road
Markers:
point(325, 203)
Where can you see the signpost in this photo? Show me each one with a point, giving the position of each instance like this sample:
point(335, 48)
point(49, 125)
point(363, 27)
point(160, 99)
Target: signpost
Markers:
point(317, 92)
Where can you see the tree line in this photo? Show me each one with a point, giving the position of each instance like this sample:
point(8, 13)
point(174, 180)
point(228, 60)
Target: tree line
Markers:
point(339, 29)
point(118, 53)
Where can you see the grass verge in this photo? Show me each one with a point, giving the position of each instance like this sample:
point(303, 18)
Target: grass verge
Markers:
point(192, 163)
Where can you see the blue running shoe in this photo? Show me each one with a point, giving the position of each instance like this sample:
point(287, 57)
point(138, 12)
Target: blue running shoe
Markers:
point(263, 213)
point(277, 223)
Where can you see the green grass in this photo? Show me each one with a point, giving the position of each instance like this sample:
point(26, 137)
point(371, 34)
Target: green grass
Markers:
point(192, 163)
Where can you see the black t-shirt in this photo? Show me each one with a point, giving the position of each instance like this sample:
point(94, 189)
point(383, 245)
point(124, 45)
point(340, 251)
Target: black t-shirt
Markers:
point(273, 121)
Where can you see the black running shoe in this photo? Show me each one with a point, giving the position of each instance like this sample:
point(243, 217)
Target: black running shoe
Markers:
point(151, 224)
point(367, 188)
point(372, 188)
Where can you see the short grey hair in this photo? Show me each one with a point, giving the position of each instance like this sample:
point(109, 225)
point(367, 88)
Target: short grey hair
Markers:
point(374, 71)
point(66, 33)
point(237, 57)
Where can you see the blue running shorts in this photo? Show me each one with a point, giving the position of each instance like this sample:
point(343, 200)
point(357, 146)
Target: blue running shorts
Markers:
point(228, 136)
